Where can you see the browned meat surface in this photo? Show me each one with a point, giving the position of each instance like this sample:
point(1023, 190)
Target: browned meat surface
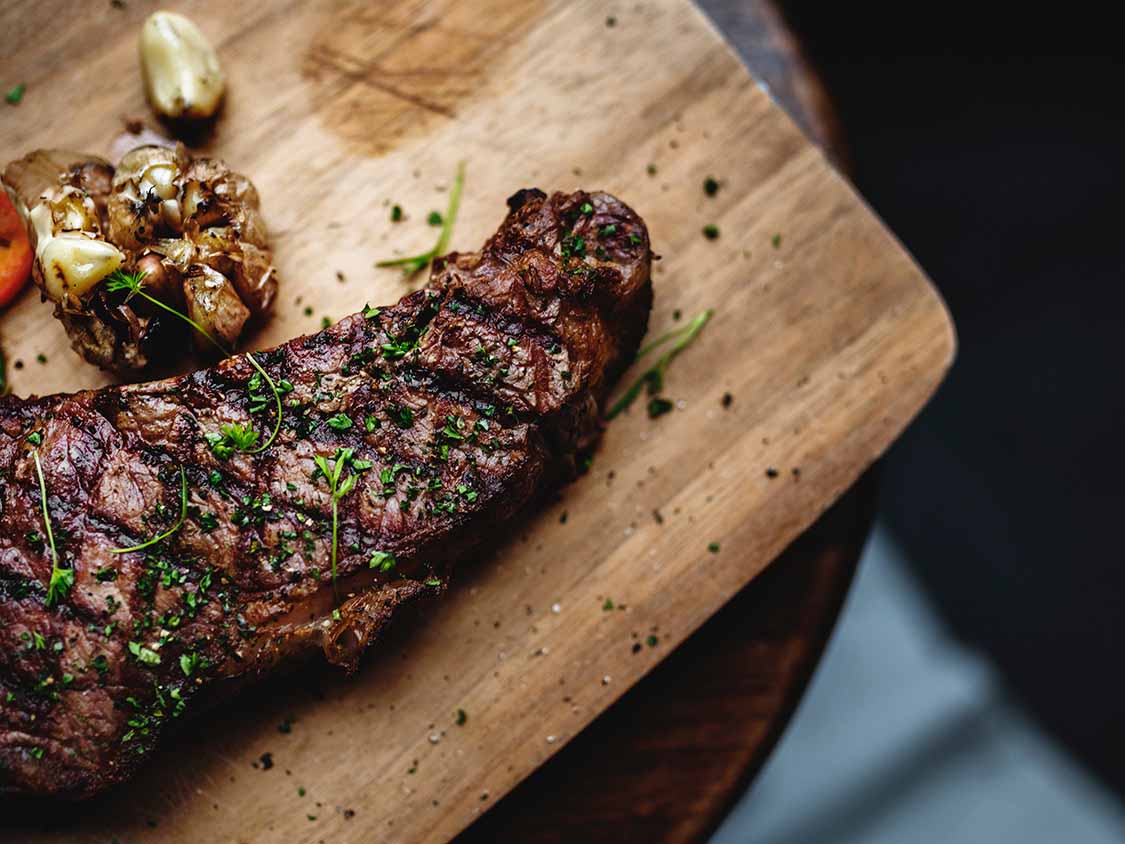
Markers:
point(459, 405)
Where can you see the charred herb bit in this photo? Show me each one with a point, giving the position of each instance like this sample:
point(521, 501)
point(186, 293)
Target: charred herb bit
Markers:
point(414, 263)
point(62, 579)
point(161, 536)
point(402, 416)
point(338, 489)
point(710, 186)
point(461, 718)
point(654, 376)
point(15, 94)
point(658, 406)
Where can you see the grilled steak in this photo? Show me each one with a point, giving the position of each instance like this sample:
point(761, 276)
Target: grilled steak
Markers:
point(434, 420)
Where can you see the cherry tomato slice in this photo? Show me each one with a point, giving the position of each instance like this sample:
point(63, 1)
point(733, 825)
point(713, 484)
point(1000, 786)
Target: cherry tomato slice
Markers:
point(15, 251)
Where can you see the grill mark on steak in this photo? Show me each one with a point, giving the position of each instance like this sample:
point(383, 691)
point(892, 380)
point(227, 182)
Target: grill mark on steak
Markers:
point(557, 300)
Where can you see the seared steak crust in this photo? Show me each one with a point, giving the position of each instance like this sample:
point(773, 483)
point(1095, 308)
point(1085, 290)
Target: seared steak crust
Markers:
point(459, 404)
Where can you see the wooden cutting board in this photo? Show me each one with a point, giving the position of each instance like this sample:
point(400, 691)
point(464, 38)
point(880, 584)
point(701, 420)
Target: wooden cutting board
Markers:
point(826, 335)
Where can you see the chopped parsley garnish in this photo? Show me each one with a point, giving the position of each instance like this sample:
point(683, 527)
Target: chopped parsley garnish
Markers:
point(396, 214)
point(340, 422)
point(653, 377)
point(658, 406)
point(776, 241)
point(382, 561)
point(15, 94)
point(35, 438)
point(370, 423)
point(573, 245)
point(434, 219)
point(461, 718)
point(711, 231)
point(190, 663)
point(338, 489)
point(161, 536)
point(62, 579)
point(413, 263)
point(608, 605)
point(370, 312)
point(145, 656)
point(713, 547)
point(710, 186)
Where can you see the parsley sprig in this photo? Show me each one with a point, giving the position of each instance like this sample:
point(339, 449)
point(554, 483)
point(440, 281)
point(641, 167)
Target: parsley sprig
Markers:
point(338, 489)
point(653, 377)
point(134, 283)
point(162, 536)
point(62, 579)
point(414, 263)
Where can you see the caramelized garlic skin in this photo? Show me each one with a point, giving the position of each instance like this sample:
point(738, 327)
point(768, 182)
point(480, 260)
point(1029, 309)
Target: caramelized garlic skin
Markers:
point(183, 77)
point(191, 226)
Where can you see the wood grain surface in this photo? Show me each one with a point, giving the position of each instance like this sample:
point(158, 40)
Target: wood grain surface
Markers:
point(830, 341)
point(670, 758)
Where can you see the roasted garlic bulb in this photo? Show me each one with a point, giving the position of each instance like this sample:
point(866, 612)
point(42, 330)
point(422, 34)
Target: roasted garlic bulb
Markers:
point(191, 226)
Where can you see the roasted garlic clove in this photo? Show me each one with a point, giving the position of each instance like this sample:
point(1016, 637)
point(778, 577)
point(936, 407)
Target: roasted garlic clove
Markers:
point(213, 304)
point(70, 254)
point(183, 78)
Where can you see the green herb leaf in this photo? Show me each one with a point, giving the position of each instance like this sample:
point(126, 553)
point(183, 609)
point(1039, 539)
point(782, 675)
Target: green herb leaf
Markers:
point(62, 580)
point(382, 561)
point(15, 94)
point(415, 263)
point(654, 376)
point(340, 422)
point(189, 663)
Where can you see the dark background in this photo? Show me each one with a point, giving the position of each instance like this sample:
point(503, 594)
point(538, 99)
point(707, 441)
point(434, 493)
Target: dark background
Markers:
point(992, 141)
